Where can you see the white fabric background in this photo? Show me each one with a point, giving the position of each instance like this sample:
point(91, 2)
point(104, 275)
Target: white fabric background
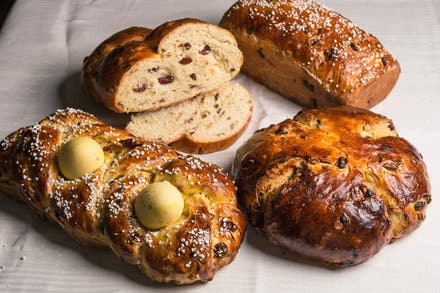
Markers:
point(42, 45)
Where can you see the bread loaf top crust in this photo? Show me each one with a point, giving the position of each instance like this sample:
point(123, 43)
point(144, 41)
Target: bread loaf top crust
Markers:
point(334, 184)
point(327, 45)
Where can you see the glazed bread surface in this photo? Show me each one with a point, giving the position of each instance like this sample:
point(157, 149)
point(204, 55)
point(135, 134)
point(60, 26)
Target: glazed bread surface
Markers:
point(310, 53)
point(207, 123)
point(97, 209)
point(175, 62)
point(332, 184)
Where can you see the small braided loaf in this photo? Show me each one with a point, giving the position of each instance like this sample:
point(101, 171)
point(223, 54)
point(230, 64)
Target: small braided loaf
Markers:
point(97, 209)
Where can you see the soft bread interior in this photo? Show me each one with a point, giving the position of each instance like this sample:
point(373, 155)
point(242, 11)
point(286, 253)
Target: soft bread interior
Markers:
point(192, 59)
point(209, 117)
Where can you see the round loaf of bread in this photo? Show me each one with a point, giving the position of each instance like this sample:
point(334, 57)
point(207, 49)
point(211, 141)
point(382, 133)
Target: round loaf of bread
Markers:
point(333, 184)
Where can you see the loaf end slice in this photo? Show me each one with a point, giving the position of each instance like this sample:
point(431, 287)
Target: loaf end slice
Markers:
point(207, 123)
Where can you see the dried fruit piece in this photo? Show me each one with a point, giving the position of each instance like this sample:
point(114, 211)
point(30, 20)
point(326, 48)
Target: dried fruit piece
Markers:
point(166, 79)
point(220, 250)
point(185, 60)
point(418, 206)
point(205, 50)
point(342, 162)
point(139, 88)
point(187, 46)
point(193, 76)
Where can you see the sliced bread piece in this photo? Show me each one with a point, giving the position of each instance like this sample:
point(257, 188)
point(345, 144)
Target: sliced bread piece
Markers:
point(175, 62)
point(207, 123)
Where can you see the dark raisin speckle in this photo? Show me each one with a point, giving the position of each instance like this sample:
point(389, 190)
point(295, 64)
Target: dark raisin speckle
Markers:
point(193, 76)
point(220, 250)
point(187, 46)
point(418, 206)
point(391, 126)
point(342, 162)
point(166, 79)
point(185, 60)
point(154, 69)
point(139, 88)
point(205, 50)
point(354, 47)
point(385, 60)
point(333, 54)
point(367, 191)
point(228, 225)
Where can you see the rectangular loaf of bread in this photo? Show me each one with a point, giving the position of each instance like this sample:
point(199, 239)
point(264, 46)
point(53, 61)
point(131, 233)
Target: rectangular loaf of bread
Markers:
point(311, 54)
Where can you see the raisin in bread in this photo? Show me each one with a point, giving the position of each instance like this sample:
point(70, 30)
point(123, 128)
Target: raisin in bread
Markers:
point(310, 53)
point(209, 122)
point(175, 62)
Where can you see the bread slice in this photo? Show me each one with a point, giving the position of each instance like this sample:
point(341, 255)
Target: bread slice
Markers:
point(207, 123)
point(175, 62)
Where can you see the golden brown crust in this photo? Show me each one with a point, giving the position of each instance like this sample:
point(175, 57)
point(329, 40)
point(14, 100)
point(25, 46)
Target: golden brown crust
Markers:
point(334, 184)
point(188, 145)
point(91, 63)
point(323, 55)
point(97, 209)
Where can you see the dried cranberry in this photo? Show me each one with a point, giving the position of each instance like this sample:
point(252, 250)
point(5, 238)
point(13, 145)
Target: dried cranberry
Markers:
point(166, 79)
point(205, 50)
point(154, 69)
point(139, 88)
point(185, 60)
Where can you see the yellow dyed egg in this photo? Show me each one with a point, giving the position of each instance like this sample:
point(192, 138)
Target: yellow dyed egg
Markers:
point(80, 156)
point(158, 205)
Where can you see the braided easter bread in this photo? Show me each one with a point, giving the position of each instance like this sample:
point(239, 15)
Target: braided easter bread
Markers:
point(98, 208)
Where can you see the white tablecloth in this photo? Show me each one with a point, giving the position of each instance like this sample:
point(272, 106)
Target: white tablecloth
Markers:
point(42, 45)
